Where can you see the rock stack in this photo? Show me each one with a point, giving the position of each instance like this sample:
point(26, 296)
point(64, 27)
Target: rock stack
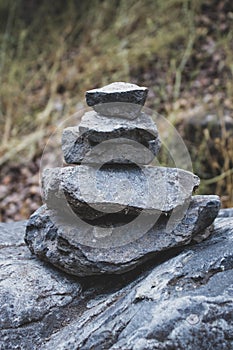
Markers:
point(110, 210)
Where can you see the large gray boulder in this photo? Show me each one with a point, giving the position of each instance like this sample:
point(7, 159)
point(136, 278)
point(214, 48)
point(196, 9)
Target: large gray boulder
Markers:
point(82, 249)
point(99, 139)
point(117, 99)
point(92, 192)
point(183, 301)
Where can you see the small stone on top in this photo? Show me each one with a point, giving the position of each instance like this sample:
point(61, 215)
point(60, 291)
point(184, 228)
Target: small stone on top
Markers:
point(117, 99)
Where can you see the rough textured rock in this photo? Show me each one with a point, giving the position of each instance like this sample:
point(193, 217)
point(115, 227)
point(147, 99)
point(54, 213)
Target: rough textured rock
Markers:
point(184, 302)
point(93, 192)
point(118, 99)
point(225, 213)
point(33, 296)
point(80, 251)
point(124, 140)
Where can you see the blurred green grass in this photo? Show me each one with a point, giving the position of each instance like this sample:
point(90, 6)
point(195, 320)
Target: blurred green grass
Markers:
point(51, 52)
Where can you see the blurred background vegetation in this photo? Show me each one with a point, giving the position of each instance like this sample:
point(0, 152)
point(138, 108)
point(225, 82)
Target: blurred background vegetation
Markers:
point(51, 52)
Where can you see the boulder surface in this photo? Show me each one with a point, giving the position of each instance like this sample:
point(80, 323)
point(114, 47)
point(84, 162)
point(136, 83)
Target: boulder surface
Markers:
point(183, 301)
point(34, 297)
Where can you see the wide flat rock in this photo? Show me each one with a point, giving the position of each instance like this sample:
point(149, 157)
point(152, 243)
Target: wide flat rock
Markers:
point(82, 250)
point(118, 99)
point(98, 139)
point(92, 191)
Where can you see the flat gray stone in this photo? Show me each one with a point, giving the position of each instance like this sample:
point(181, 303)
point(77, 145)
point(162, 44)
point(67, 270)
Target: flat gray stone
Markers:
point(185, 303)
point(83, 250)
point(117, 99)
point(34, 297)
point(99, 139)
point(92, 192)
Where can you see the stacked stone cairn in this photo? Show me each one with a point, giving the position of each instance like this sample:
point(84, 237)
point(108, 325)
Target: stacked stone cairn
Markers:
point(110, 211)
